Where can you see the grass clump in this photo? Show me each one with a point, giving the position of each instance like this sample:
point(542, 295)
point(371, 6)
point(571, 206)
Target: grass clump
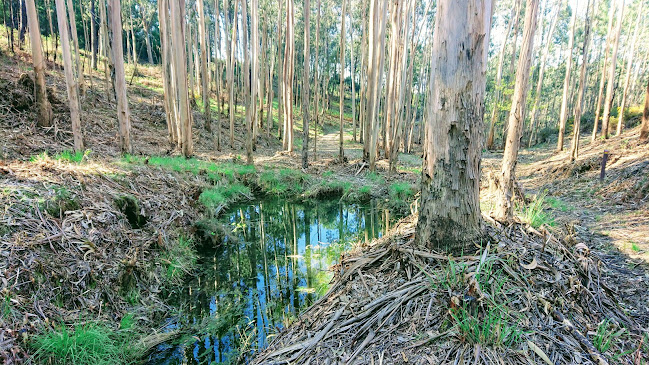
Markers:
point(534, 213)
point(88, 344)
point(62, 201)
point(283, 182)
point(222, 195)
point(179, 259)
point(214, 171)
point(66, 155)
point(606, 335)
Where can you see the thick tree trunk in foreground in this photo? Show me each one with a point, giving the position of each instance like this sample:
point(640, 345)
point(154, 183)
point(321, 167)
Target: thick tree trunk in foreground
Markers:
point(504, 206)
point(449, 217)
point(305, 88)
point(120, 79)
point(644, 129)
point(44, 107)
point(574, 149)
point(608, 101)
point(71, 84)
point(289, 68)
point(563, 116)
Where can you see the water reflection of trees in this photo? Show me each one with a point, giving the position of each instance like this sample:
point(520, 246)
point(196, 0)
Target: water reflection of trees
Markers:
point(273, 264)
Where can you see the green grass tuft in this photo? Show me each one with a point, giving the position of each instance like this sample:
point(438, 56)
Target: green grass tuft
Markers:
point(222, 195)
point(534, 213)
point(283, 182)
point(179, 259)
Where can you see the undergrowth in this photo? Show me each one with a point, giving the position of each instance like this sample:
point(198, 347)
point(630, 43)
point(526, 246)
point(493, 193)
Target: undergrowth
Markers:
point(535, 213)
point(179, 259)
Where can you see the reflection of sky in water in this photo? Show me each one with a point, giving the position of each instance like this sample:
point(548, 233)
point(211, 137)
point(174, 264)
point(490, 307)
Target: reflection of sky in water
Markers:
point(253, 286)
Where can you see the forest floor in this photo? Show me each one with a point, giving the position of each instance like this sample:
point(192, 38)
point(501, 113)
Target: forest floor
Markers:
point(75, 248)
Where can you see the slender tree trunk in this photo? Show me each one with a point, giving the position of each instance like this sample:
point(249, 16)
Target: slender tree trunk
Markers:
point(44, 107)
point(351, 70)
point(305, 89)
point(75, 39)
point(600, 95)
point(179, 60)
point(378, 15)
point(71, 83)
point(120, 79)
point(232, 49)
point(574, 150)
point(316, 79)
point(341, 87)
point(566, 83)
point(165, 46)
point(205, 91)
point(94, 30)
point(23, 24)
point(449, 217)
point(644, 129)
point(280, 72)
point(539, 84)
point(629, 62)
point(611, 75)
point(504, 206)
point(289, 63)
point(106, 52)
point(499, 77)
point(218, 67)
point(254, 79)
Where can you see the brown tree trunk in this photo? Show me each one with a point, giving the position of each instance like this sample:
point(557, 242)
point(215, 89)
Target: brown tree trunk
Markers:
point(289, 64)
point(600, 95)
point(71, 84)
point(449, 215)
point(504, 206)
point(120, 79)
point(574, 150)
point(94, 30)
point(341, 87)
point(205, 91)
point(611, 75)
point(376, 59)
point(75, 39)
point(644, 129)
point(179, 61)
point(316, 80)
point(44, 107)
point(563, 114)
point(305, 89)
point(232, 47)
point(627, 79)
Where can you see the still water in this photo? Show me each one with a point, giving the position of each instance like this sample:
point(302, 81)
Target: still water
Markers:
point(274, 262)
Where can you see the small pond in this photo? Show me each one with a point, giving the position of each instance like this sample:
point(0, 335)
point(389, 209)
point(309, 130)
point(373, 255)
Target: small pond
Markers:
point(274, 264)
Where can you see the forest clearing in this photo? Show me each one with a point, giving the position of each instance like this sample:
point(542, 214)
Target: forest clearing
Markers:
point(440, 182)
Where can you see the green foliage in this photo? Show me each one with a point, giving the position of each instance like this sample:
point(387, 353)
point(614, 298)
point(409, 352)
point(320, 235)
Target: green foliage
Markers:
point(488, 329)
point(375, 178)
point(283, 182)
point(88, 344)
point(215, 171)
point(222, 195)
point(534, 213)
point(179, 259)
point(62, 201)
point(606, 335)
point(66, 155)
point(559, 204)
point(401, 191)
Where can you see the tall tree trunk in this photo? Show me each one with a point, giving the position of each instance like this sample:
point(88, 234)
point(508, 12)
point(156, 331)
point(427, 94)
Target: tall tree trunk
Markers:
point(44, 107)
point(219, 70)
point(504, 206)
point(71, 84)
point(205, 91)
point(376, 58)
point(600, 95)
point(75, 39)
point(566, 83)
point(305, 89)
point(499, 77)
point(94, 30)
point(352, 73)
point(611, 74)
point(574, 150)
point(316, 80)
point(289, 64)
point(449, 217)
point(644, 129)
point(23, 24)
point(341, 87)
point(539, 83)
point(120, 79)
point(165, 50)
point(232, 49)
point(392, 79)
point(629, 62)
point(179, 60)
point(254, 79)
point(106, 52)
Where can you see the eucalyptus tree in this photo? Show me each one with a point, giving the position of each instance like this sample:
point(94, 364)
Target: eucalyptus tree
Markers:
point(449, 217)
point(305, 88)
point(289, 72)
point(563, 114)
point(629, 64)
point(123, 116)
point(44, 106)
point(608, 101)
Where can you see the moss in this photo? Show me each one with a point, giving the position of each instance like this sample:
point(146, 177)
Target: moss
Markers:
point(129, 206)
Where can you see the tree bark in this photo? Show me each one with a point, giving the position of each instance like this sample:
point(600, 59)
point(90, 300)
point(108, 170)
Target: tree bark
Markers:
point(120, 79)
point(205, 91)
point(629, 62)
point(179, 60)
point(611, 75)
point(376, 59)
point(449, 216)
point(316, 80)
point(504, 206)
point(254, 79)
point(287, 86)
point(563, 116)
point(75, 39)
point(341, 86)
point(94, 30)
point(306, 82)
point(232, 46)
point(574, 150)
point(44, 107)
point(539, 84)
point(71, 83)
point(644, 128)
point(602, 81)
